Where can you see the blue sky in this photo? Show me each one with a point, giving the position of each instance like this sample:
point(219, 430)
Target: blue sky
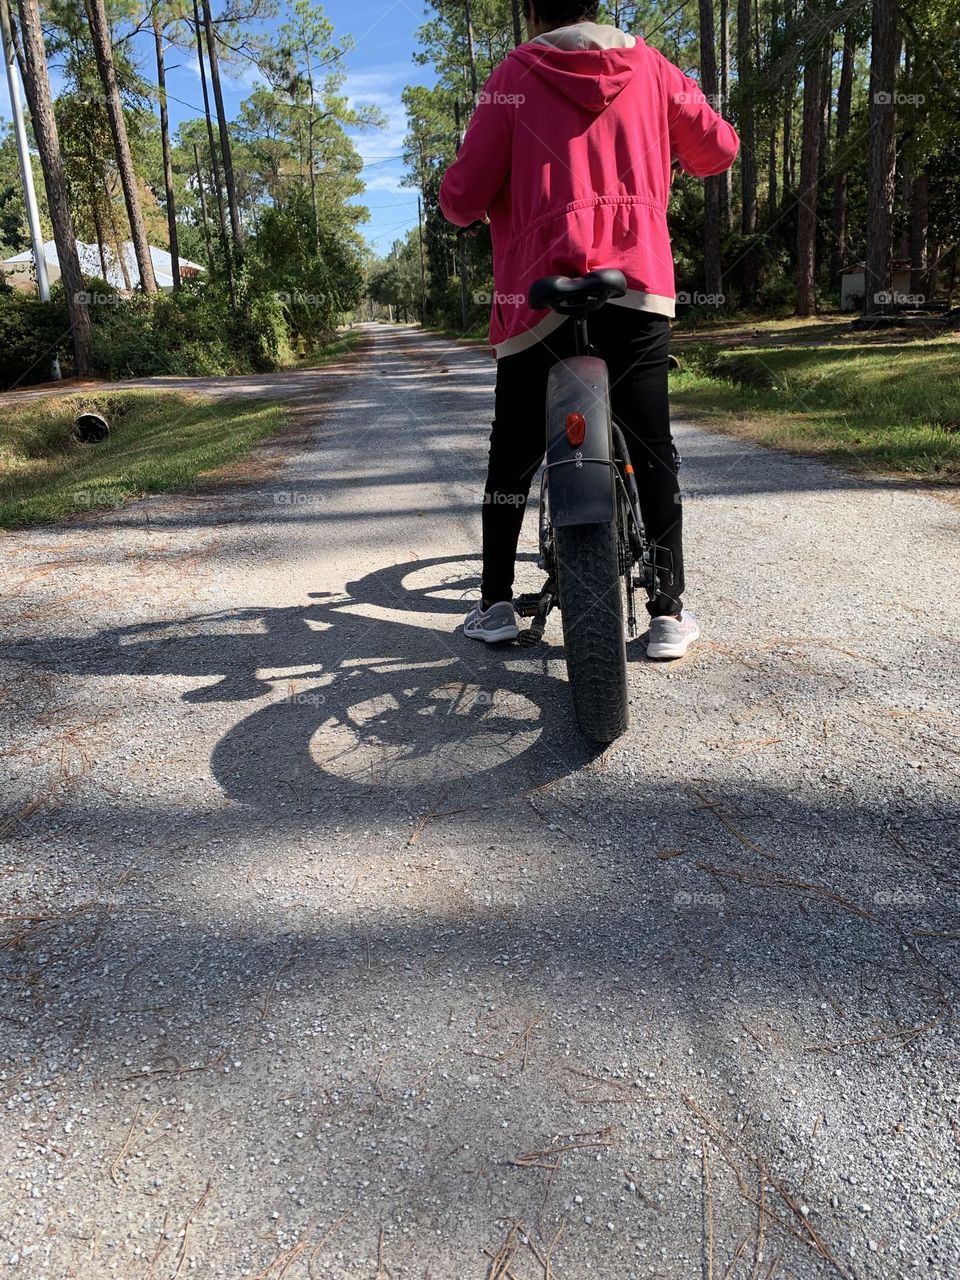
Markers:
point(377, 70)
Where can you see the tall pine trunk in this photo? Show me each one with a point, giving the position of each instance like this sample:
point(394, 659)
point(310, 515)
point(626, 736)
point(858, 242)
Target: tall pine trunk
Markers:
point(37, 86)
point(919, 227)
point(812, 128)
point(214, 166)
point(838, 250)
point(748, 150)
point(726, 178)
point(517, 28)
point(881, 155)
point(203, 207)
point(100, 30)
point(165, 144)
point(712, 268)
point(471, 55)
point(225, 151)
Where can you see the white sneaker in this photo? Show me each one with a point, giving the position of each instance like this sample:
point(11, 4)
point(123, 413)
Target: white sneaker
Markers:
point(671, 637)
point(499, 622)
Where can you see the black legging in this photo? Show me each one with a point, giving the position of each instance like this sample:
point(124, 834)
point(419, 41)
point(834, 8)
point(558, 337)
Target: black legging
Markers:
point(635, 346)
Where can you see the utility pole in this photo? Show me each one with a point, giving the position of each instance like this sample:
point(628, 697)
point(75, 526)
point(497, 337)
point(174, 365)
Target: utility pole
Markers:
point(464, 298)
point(423, 277)
point(26, 170)
point(23, 155)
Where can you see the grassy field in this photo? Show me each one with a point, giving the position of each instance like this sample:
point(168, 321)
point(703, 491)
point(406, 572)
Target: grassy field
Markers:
point(887, 402)
point(159, 440)
point(340, 346)
point(887, 407)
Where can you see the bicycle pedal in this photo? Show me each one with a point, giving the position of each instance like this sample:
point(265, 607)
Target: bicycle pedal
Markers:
point(526, 606)
point(527, 639)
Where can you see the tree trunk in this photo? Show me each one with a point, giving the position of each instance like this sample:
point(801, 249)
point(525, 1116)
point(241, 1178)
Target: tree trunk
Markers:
point(748, 151)
point(99, 29)
point(919, 224)
point(99, 232)
point(471, 56)
point(313, 165)
point(881, 154)
point(748, 157)
point(37, 86)
point(726, 178)
point(812, 128)
point(826, 98)
point(786, 180)
point(517, 29)
point(906, 189)
point(838, 250)
point(203, 207)
point(933, 269)
point(215, 168)
point(712, 269)
point(826, 110)
point(165, 143)
point(224, 135)
point(117, 246)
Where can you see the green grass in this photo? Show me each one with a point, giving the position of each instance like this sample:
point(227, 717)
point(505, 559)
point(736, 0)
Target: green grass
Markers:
point(478, 332)
point(339, 346)
point(893, 408)
point(159, 440)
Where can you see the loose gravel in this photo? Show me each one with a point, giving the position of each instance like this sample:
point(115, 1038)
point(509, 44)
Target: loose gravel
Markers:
point(330, 949)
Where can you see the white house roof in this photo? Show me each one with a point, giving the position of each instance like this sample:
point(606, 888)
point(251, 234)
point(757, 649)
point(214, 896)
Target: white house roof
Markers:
point(90, 265)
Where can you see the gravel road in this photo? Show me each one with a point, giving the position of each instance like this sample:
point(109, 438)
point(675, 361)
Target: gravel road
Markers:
point(331, 950)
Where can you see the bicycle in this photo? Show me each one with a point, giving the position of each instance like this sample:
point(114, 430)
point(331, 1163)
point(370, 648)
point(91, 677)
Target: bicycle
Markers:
point(593, 547)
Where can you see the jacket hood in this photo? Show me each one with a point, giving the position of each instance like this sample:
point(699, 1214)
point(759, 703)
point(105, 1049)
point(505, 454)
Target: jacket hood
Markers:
point(589, 63)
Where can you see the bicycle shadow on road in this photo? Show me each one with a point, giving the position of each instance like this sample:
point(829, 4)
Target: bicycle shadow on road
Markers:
point(391, 704)
point(370, 694)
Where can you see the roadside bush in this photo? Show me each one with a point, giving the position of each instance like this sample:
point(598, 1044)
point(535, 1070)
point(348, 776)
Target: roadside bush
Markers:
point(313, 274)
point(190, 331)
point(31, 333)
point(261, 330)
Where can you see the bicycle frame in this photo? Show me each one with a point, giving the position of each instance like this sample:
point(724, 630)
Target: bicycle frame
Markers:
point(591, 482)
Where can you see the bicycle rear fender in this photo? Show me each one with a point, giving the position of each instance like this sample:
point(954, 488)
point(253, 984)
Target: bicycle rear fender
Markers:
point(580, 480)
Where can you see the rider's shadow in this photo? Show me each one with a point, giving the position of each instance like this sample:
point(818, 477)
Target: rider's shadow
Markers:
point(371, 695)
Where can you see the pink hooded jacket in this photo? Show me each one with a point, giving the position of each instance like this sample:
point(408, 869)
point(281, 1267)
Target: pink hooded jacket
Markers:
point(569, 151)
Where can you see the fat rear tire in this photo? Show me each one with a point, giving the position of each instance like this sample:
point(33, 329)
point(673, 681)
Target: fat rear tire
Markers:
point(591, 607)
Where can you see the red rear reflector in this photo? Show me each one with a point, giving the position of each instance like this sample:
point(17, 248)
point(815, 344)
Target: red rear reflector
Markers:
point(576, 429)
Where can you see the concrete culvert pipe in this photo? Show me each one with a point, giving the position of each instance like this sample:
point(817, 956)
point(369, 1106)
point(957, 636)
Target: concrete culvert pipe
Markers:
point(91, 428)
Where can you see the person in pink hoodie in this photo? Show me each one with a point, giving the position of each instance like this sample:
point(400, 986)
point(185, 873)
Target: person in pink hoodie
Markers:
point(569, 157)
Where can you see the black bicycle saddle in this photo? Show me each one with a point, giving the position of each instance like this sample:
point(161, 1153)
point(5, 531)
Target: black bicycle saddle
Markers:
point(577, 295)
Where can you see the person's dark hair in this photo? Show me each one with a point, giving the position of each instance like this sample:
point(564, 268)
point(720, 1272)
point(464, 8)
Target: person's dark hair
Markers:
point(563, 12)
